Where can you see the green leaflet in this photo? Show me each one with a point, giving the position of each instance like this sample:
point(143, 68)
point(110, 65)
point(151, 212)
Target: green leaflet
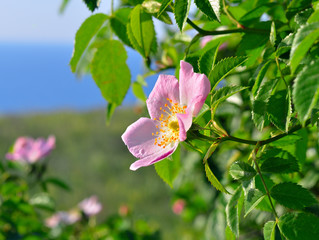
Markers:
point(278, 109)
point(92, 4)
point(164, 5)
point(43, 200)
point(255, 14)
point(138, 91)
point(242, 171)
point(260, 103)
point(280, 165)
point(306, 90)
point(260, 77)
point(211, 8)
point(252, 198)
point(181, 10)
point(292, 195)
point(109, 111)
point(207, 60)
point(84, 37)
point(213, 180)
point(223, 68)
point(299, 226)
point(271, 231)
point(141, 31)
point(296, 6)
point(304, 39)
point(168, 169)
point(110, 71)
point(233, 210)
point(119, 22)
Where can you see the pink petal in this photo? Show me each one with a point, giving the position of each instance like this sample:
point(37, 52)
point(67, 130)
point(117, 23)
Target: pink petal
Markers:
point(194, 87)
point(166, 87)
point(184, 122)
point(151, 159)
point(138, 138)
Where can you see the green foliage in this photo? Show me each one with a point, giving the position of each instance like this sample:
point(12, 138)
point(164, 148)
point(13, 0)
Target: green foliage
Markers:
point(304, 39)
point(110, 72)
point(181, 10)
point(299, 226)
point(223, 68)
point(92, 4)
point(84, 38)
point(292, 195)
point(242, 171)
point(211, 8)
point(168, 168)
point(207, 60)
point(252, 198)
point(271, 231)
point(306, 90)
point(233, 210)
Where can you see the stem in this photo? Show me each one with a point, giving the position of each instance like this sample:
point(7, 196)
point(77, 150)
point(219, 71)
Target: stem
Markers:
point(231, 17)
point(281, 74)
point(253, 142)
point(262, 179)
point(237, 30)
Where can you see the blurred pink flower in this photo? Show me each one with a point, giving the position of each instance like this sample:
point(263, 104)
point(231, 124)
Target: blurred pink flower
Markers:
point(90, 206)
point(171, 106)
point(30, 150)
point(67, 218)
point(205, 40)
point(124, 210)
point(178, 206)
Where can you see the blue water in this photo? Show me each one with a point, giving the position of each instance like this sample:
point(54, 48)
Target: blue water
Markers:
point(37, 78)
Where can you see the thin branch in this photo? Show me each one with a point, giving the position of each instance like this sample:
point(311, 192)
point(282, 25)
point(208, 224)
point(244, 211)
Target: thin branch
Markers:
point(262, 179)
point(237, 30)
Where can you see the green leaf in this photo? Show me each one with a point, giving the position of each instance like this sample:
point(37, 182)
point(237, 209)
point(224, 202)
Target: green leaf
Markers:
point(225, 92)
point(280, 165)
point(233, 211)
point(204, 109)
point(252, 45)
point(142, 30)
point(271, 231)
point(260, 103)
point(84, 36)
point(278, 109)
point(109, 111)
point(260, 77)
point(299, 226)
point(138, 91)
point(57, 182)
point(255, 14)
point(292, 195)
point(223, 68)
point(92, 4)
point(153, 8)
point(210, 151)
point(252, 199)
point(43, 200)
point(296, 6)
point(181, 10)
point(285, 141)
point(242, 171)
point(118, 23)
point(306, 90)
point(207, 60)
point(229, 234)
point(211, 8)
point(213, 180)
point(314, 17)
point(164, 5)
point(63, 6)
point(304, 39)
point(285, 45)
point(110, 71)
point(168, 169)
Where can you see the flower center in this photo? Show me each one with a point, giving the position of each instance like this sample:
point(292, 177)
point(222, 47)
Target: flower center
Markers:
point(168, 124)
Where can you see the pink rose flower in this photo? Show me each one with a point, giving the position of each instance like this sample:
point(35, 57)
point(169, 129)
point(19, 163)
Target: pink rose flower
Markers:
point(31, 150)
point(90, 206)
point(178, 206)
point(171, 106)
point(67, 218)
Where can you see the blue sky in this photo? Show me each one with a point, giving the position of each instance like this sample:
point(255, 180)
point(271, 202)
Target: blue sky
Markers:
point(40, 21)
